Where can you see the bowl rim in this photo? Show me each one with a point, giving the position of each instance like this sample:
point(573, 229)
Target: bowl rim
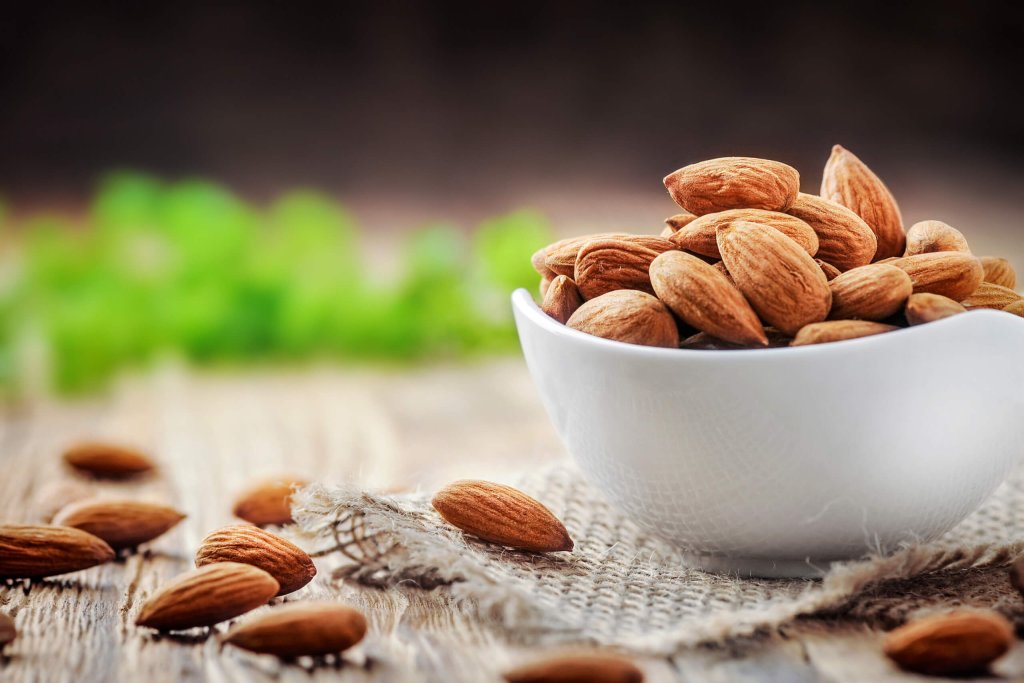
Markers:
point(524, 303)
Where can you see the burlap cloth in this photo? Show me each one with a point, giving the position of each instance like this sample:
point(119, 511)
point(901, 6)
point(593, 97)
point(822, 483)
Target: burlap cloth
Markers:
point(625, 588)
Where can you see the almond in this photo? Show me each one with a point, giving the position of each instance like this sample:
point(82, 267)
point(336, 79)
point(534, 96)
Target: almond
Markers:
point(560, 257)
point(949, 273)
point(207, 596)
point(562, 299)
point(34, 552)
point(121, 523)
point(928, 237)
point(107, 461)
point(780, 280)
point(733, 183)
point(998, 271)
point(8, 632)
point(1017, 308)
point(300, 629)
point(605, 265)
point(950, 644)
point(844, 239)
point(705, 298)
point(872, 292)
point(988, 295)
point(838, 330)
point(831, 272)
point(268, 502)
point(848, 181)
point(926, 308)
point(677, 222)
point(701, 236)
point(577, 668)
point(629, 316)
point(290, 566)
point(539, 263)
point(501, 514)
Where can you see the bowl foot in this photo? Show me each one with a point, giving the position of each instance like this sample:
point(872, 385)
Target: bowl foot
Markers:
point(757, 567)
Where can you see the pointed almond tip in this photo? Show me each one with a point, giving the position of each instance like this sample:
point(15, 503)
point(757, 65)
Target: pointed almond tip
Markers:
point(838, 149)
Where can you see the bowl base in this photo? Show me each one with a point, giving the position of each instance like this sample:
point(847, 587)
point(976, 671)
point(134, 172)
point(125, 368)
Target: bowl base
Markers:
point(757, 567)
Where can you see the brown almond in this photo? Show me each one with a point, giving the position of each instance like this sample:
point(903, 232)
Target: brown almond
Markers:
point(300, 629)
point(107, 461)
point(560, 256)
point(207, 596)
point(781, 281)
point(989, 295)
point(121, 523)
point(577, 668)
point(539, 263)
point(950, 644)
point(848, 181)
point(928, 237)
point(501, 514)
point(1017, 308)
point(949, 273)
point(838, 330)
point(844, 239)
point(733, 183)
point(562, 299)
point(701, 236)
point(677, 222)
point(926, 308)
point(705, 298)
point(628, 316)
point(831, 272)
point(605, 265)
point(8, 631)
point(871, 292)
point(998, 271)
point(33, 551)
point(289, 564)
point(268, 502)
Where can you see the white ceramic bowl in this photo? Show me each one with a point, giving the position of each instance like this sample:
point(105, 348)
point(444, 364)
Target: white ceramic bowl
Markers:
point(775, 462)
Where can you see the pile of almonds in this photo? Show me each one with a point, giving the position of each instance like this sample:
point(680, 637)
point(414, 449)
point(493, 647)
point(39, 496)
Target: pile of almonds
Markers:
point(753, 262)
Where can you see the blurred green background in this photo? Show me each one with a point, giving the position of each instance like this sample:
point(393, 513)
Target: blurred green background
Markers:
point(189, 269)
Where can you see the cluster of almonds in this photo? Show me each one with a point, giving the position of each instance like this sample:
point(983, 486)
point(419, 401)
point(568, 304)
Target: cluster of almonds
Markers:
point(754, 262)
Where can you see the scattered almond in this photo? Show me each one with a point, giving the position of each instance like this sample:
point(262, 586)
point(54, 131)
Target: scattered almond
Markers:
point(781, 281)
point(107, 461)
point(289, 564)
point(998, 271)
point(844, 239)
point(733, 183)
point(8, 632)
point(949, 273)
point(207, 596)
point(838, 330)
point(872, 292)
point(628, 316)
point(501, 514)
point(33, 551)
point(989, 295)
point(580, 668)
point(848, 181)
point(705, 298)
point(928, 237)
point(562, 299)
point(950, 644)
point(701, 235)
point(300, 629)
point(831, 272)
point(268, 502)
point(605, 265)
point(121, 523)
point(927, 308)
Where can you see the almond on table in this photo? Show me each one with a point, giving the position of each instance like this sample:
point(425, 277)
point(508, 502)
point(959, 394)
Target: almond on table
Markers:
point(950, 644)
point(300, 629)
point(268, 502)
point(577, 668)
point(107, 460)
point(289, 564)
point(122, 523)
point(30, 551)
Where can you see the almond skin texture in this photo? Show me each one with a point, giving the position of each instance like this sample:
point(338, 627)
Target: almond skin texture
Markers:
point(848, 181)
point(988, 295)
point(677, 222)
point(950, 644)
point(629, 316)
point(1017, 308)
point(872, 292)
point(844, 239)
point(998, 271)
point(733, 183)
point(268, 502)
point(8, 632)
point(780, 280)
point(581, 668)
point(701, 235)
point(300, 629)
point(705, 298)
point(831, 272)
point(949, 273)
point(927, 308)
point(838, 330)
point(928, 237)
point(121, 523)
point(33, 552)
point(501, 514)
point(107, 461)
point(289, 564)
point(560, 256)
point(207, 596)
point(562, 299)
point(603, 266)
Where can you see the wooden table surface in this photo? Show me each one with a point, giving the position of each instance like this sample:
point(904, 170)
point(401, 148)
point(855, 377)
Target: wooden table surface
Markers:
point(214, 434)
